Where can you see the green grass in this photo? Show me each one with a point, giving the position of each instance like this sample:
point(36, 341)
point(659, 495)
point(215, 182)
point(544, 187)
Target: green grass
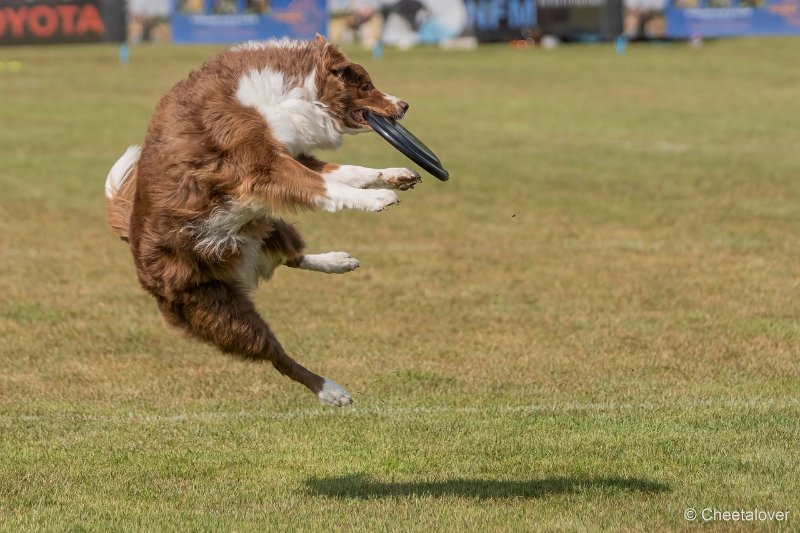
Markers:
point(594, 324)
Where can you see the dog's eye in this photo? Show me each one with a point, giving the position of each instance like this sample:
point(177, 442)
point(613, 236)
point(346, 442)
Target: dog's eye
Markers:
point(367, 87)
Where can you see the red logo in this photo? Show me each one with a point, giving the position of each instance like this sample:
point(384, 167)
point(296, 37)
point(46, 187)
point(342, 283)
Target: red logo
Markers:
point(45, 21)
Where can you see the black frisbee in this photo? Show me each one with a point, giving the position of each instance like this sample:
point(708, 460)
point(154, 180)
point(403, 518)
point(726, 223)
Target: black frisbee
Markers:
point(407, 144)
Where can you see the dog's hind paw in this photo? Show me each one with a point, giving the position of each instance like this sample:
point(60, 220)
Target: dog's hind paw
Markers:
point(332, 393)
point(330, 262)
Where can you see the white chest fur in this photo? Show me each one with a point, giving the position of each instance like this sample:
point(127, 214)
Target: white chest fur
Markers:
point(220, 236)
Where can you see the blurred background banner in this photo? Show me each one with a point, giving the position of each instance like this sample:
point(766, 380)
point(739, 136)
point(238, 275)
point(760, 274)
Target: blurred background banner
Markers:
point(499, 20)
point(229, 21)
point(401, 23)
point(61, 21)
point(722, 18)
point(580, 19)
point(408, 22)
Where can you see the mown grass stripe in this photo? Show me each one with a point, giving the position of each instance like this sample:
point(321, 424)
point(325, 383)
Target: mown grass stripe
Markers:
point(763, 403)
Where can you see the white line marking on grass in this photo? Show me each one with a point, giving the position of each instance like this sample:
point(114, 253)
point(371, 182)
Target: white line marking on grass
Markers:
point(379, 411)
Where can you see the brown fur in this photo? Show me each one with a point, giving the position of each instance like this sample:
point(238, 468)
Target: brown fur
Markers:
point(205, 152)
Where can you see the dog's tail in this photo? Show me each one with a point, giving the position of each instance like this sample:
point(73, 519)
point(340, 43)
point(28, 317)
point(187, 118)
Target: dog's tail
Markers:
point(120, 188)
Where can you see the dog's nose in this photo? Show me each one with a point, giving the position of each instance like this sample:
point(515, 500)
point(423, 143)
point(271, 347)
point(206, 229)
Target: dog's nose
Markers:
point(403, 105)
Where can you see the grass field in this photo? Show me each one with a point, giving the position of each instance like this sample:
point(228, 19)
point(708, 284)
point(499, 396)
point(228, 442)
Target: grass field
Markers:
point(594, 324)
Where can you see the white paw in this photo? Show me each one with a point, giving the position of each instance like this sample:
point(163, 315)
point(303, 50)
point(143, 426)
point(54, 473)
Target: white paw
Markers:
point(400, 178)
point(378, 200)
point(333, 262)
point(333, 394)
point(340, 262)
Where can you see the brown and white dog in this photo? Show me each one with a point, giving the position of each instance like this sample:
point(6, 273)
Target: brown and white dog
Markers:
point(227, 149)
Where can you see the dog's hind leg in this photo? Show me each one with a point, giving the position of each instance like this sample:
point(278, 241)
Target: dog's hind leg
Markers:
point(363, 177)
point(224, 316)
point(284, 241)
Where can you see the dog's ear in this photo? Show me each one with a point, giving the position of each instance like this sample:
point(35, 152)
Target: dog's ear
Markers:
point(333, 60)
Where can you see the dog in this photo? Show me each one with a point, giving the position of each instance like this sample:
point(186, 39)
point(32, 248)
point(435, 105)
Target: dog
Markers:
point(227, 150)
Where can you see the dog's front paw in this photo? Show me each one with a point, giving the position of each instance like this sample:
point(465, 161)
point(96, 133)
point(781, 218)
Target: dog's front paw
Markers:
point(378, 200)
point(401, 178)
point(333, 394)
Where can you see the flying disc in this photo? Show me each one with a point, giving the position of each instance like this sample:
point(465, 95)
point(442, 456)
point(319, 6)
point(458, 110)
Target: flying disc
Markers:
point(407, 144)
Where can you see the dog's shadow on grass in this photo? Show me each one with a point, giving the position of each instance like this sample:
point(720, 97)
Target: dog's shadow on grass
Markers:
point(364, 487)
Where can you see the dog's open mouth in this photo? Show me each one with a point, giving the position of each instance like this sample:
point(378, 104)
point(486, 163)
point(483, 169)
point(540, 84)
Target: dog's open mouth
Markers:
point(357, 117)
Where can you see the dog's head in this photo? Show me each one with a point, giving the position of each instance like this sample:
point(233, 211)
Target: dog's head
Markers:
point(347, 89)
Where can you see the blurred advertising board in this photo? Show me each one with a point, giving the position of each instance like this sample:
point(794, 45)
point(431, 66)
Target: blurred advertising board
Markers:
point(501, 20)
point(579, 19)
point(407, 22)
point(229, 21)
point(61, 21)
point(723, 18)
